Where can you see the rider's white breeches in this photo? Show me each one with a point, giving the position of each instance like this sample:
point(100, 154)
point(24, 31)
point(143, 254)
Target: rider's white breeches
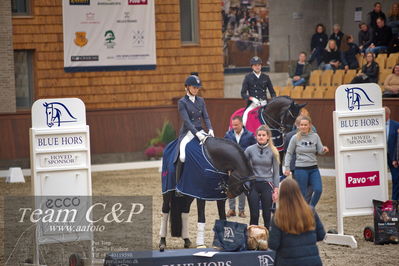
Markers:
point(186, 139)
point(249, 109)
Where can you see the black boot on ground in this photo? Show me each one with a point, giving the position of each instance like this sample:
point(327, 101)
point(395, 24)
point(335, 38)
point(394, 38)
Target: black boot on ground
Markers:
point(187, 243)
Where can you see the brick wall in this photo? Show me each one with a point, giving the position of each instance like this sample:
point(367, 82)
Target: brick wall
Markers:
point(7, 82)
point(120, 89)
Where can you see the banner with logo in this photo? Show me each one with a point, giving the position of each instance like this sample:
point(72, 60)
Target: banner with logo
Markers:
point(109, 35)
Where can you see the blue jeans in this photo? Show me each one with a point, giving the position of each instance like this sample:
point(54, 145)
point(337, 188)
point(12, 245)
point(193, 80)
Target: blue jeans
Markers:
point(241, 202)
point(299, 82)
point(306, 177)
point(377, 49)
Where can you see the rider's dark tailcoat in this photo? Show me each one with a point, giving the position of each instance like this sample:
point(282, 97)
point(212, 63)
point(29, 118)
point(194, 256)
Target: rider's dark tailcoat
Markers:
point(192, 114)
point(256, 87)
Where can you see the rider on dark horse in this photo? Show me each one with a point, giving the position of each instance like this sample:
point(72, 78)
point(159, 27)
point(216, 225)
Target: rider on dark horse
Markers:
point(254, 87)
point(192, 111)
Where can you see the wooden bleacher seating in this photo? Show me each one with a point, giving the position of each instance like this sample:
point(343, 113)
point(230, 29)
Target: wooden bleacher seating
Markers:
point(349, 75)
point(330, 93)
point(326, 78)
point(314, 79)
point(308, 92)
point(382, 76)
point(297, 92)
point(380, 60)
point(286, 91)
point(361, 60)
point(277, 90)
point(338, 77)
point(319, 92)
point(392, 60)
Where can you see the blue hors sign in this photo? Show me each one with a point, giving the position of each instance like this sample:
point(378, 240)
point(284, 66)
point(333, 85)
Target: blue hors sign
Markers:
point(58, 113)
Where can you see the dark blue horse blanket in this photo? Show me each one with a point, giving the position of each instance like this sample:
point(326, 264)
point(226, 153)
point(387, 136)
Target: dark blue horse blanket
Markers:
point(199, 178)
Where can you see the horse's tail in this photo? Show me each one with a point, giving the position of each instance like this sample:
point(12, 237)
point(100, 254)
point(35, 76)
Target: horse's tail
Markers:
point(176, 206)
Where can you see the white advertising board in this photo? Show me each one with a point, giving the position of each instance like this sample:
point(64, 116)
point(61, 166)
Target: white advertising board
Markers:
point(109, 35)
point(60, 163)
point(360, 151)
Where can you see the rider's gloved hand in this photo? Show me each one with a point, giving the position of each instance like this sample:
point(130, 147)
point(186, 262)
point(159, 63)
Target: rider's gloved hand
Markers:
point(200, 136)
point(255, 101)
point(210, 132)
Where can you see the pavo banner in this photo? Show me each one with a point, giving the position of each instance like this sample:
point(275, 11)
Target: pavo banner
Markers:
point(101, 35)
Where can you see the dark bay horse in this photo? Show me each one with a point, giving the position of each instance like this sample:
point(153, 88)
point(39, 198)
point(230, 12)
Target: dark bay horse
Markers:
point(279, 115)
point(225, 156)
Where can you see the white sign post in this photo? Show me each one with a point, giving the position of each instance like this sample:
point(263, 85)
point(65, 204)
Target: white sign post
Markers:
point(60, 163)
point(360, 154)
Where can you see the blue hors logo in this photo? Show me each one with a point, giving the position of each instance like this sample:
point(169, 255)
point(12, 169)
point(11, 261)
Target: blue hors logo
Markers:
point(57, 113)
point(228, 233)
point(357, 97)
point(265, 260)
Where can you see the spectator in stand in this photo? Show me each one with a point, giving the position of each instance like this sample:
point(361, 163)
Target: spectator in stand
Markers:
point(318, 43)
point(299, 71)
point(374, 14)
point(365, 37)
point(393, 19)
point(330, 57)
point(391, 83)
point(349, 52)
point(369, 71)
point(337, 35)
point(382, 36)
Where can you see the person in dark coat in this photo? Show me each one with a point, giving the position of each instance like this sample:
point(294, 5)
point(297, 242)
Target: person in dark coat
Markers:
point(369, 72)
point(365, 37)
point(348, 53)
point(374, 14)
point(331, 57)
point(254, 87)
point(382, 36)
point(392, 128)
point(240, 135)
point(295, 229)
point(318, 43)
point(337, 35)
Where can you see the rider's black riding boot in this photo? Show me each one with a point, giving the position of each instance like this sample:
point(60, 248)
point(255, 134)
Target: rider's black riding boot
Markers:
point(162, 244)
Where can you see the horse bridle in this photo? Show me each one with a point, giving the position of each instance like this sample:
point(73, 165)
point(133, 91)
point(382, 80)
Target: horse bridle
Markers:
point(280, 125)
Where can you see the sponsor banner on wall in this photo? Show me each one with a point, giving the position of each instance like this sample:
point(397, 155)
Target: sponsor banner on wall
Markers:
point(109, 35)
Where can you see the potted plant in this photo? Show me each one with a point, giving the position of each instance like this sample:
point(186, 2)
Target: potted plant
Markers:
point(156, 145)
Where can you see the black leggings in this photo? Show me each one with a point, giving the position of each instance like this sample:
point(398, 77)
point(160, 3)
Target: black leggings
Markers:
point(261, 191)
point(201, 210)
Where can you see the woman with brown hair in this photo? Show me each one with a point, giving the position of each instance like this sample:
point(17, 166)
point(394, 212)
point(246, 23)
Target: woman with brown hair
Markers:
point(295, 228)
point(369, 72)
point(264, 160)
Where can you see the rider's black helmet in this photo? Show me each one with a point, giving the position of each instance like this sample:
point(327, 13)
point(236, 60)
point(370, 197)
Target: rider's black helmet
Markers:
point(255, 60)
point(193, 81)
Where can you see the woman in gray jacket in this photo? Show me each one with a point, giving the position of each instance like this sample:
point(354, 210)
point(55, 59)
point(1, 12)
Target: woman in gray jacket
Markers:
point(306, 144)
point(264, 159)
